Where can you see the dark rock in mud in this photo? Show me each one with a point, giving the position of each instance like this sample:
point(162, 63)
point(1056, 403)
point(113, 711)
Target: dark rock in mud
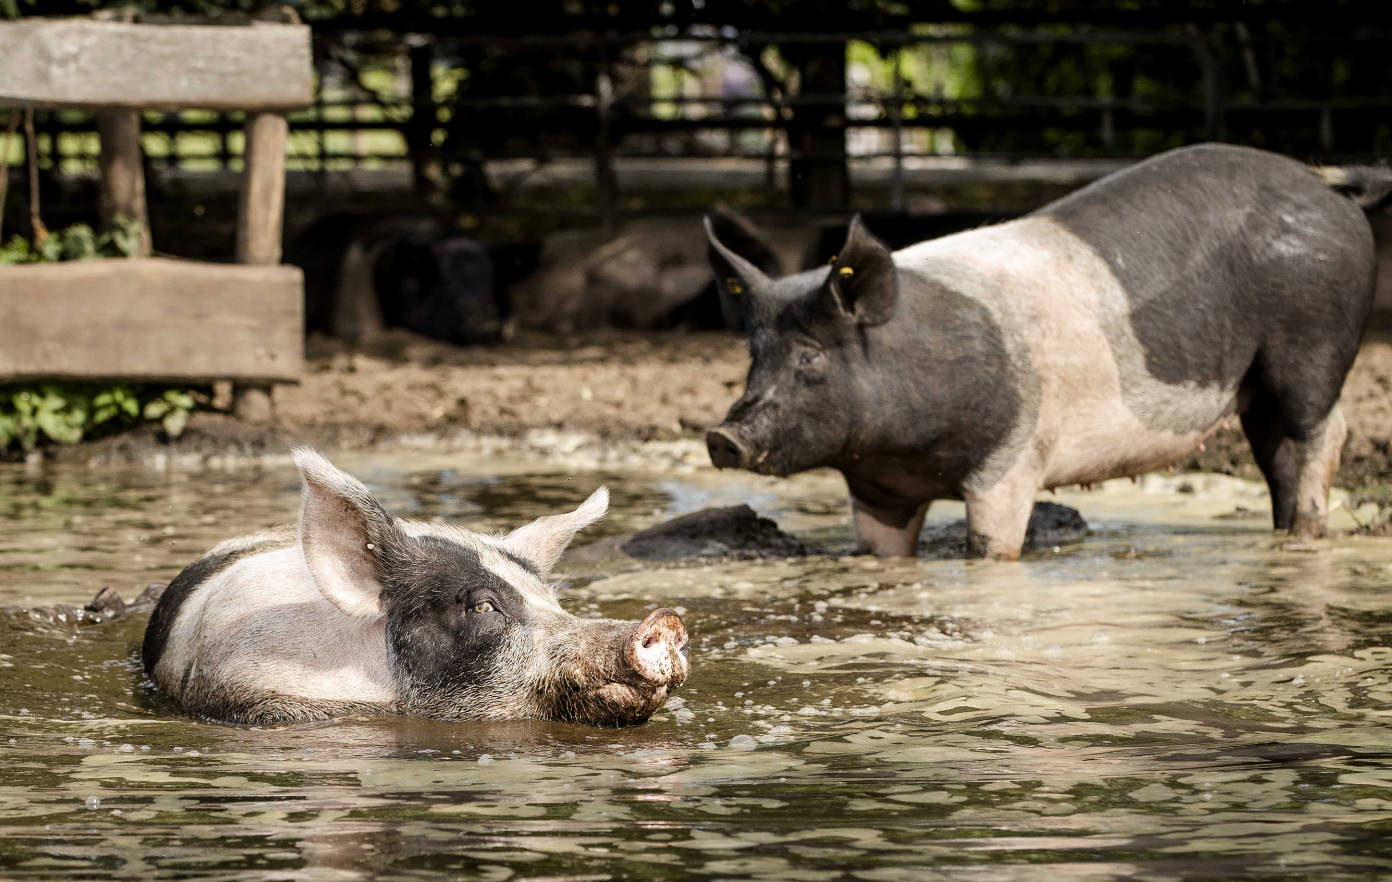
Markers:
point(735, 533)
point(1054, 524)
point(1050, 524)
point(106, 606)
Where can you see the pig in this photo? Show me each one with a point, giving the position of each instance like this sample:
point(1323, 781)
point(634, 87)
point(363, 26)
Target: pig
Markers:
point(1105, 335)
point(354, 611)
point(364, 274)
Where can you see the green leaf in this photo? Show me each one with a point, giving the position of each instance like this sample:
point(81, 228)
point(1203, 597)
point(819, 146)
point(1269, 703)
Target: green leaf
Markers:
point(15, 251)
point(174, 422)
point(65, 428)
point(124, 239)
point(181, 400)
point(52, 250)
point(79, 243)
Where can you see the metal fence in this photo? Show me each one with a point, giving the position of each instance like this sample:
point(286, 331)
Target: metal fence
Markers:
point(417, 103)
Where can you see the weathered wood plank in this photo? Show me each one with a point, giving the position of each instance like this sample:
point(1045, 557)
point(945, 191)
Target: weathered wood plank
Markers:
point(261, 206)
point(85, 63)
point(122, 181)
point(151, 319)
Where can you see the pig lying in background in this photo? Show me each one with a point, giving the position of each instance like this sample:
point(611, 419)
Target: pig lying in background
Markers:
point(1104, 335)
point(356, 611)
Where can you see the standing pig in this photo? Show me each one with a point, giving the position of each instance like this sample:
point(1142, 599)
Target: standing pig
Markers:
point(355, 611)
point(1105, 335)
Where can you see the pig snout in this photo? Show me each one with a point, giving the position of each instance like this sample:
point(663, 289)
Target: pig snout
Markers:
point(657, 649)
point(728, 447)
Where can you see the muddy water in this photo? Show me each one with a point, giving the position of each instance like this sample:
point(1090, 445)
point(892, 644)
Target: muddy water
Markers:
point(1180, 696)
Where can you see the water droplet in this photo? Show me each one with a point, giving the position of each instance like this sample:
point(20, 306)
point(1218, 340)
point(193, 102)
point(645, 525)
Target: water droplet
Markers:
point(1101, 637)
point(1054, 651)
point(743, 742)
point(485, 759)
point(93, 803)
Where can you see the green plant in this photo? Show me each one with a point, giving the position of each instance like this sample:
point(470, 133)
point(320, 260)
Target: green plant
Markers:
point(77, 242)
point(172, 409)
point(65, 413)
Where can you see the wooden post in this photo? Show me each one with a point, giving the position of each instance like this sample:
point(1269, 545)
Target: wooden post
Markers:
point(260, 218)
point(605, 182)
point(427, 171)
point(122, 172)
point(896, 192)
point(261, 211)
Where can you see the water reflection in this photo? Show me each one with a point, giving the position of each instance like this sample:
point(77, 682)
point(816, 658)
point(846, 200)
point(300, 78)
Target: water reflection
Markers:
point(1179, 696)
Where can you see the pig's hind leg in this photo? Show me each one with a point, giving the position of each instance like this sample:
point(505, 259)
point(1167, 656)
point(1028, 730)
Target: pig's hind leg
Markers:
point(1298, 454)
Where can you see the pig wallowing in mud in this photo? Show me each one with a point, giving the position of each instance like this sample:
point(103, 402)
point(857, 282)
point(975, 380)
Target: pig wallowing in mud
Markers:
point(1104, 335)
point(355, 611)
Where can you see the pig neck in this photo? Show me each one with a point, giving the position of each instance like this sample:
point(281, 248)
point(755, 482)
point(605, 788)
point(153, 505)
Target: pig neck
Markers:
point(935, 394)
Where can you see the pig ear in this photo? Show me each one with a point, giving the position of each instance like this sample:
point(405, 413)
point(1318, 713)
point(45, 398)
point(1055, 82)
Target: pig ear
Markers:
point(543, 540)
point(344, 534)
point(736, 279)
point(863, 282)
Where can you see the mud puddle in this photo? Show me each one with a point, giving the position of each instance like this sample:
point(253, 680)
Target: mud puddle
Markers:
point(1180, 695)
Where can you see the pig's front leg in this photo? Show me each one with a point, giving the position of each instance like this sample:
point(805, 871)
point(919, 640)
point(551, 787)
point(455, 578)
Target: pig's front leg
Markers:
point(887, 531)
point(998, 517)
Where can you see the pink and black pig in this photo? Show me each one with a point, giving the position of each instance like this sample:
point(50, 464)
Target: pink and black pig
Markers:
point(1105, 335)
point(354, 611)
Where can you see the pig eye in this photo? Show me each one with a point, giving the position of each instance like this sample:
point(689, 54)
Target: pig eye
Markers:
point(808, 358)
point(482, 606)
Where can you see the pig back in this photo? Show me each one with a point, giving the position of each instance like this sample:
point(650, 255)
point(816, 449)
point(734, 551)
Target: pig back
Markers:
point(247, 637)
point(1220, 250)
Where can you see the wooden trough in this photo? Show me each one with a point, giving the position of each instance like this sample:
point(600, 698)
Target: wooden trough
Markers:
point(148, 318)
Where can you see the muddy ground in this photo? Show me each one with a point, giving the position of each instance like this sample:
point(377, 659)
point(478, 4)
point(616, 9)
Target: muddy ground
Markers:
point(648, 395)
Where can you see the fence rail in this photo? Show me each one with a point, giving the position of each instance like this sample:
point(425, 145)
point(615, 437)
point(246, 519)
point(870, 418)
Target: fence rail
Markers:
point(639, 102)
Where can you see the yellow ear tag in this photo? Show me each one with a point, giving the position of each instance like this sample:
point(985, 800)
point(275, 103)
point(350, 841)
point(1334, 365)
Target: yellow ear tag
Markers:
point(734, 286)
point(833, 259)
point(846, 271)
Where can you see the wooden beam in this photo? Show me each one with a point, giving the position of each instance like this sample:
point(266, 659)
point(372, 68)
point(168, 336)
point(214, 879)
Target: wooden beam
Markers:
point(122, 181)
point(151, 319)
point(261, 208)
point(83, 63)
